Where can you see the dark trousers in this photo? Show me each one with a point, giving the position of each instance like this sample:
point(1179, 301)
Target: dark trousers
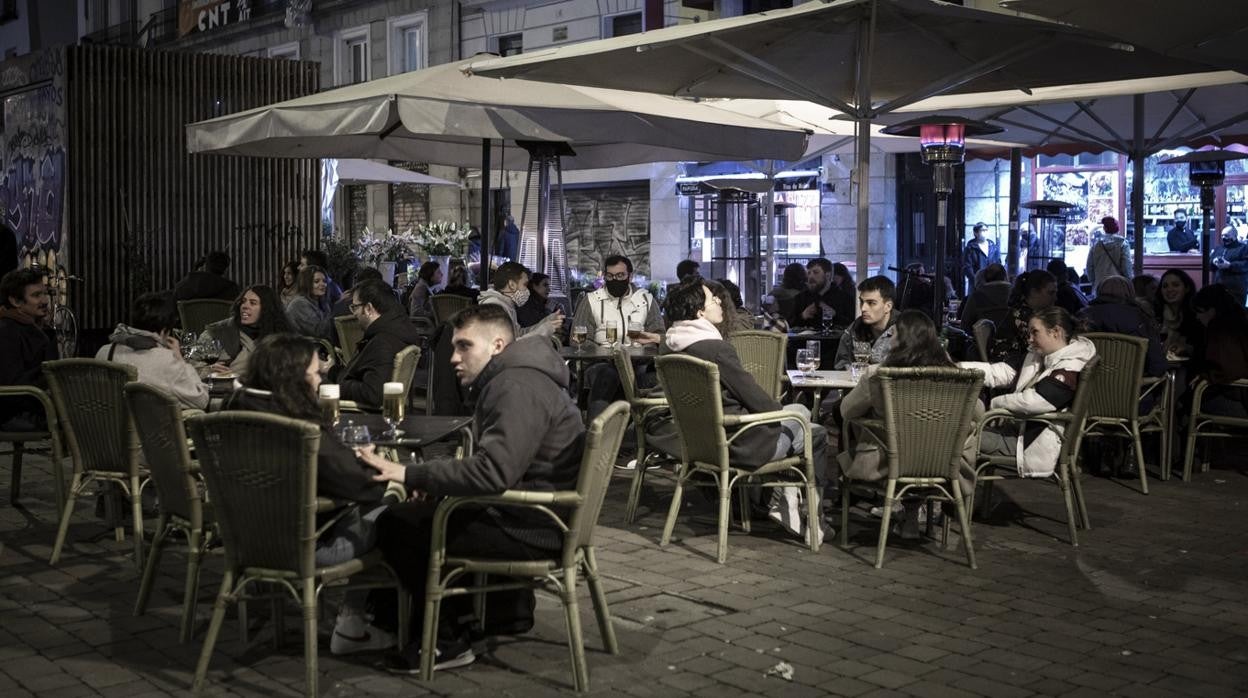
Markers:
point(602, 385)
point(404, 538)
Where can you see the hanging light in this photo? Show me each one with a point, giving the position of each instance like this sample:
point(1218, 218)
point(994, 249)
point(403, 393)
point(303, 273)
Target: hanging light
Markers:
point(1206, 169)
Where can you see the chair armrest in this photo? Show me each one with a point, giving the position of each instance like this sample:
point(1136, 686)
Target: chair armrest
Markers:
point(538, 501)
point(645, 403)
point(325, 504)
point(31, 391)
point(733, 420)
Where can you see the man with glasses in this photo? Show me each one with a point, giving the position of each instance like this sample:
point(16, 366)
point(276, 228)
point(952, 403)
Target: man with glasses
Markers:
point(387, 331)
point(631, 309)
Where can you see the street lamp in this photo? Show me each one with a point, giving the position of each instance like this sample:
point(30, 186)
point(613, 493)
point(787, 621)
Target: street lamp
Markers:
point(1205, 169)
point(942, 144)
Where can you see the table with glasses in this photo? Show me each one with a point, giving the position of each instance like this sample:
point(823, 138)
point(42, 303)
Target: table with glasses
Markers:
point(588, 353)
point(801, 339)
point(819, 381)
point(417, 430)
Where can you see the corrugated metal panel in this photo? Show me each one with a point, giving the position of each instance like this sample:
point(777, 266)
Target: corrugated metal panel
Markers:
point(140, 210)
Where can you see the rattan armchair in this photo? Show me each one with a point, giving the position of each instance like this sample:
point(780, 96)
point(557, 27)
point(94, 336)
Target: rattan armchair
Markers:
point(989, 469)
point(158, 419)
point(19, 440)
point(1203, 425)
point(403, 371)
point(91, 405)
point(928, 415)
point(692, 389)
point(762, 353)
point(197, 314)
point(602, 443)
point(261, 474)
point(445, 305)
point(349, 335)
point(1117, 391)
point(641, 407)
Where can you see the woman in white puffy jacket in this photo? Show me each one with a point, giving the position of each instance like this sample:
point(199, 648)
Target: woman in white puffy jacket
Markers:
point(1044, 381)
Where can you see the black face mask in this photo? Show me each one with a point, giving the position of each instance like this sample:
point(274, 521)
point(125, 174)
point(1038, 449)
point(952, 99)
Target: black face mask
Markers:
point(619, 289)
point(1180, 224)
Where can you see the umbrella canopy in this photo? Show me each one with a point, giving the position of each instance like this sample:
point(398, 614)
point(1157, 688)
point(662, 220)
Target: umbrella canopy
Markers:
point(355, 171)
point(441, 115)
point(1210, 32)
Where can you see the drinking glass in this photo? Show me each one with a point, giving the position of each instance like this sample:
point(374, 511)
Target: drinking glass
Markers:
point(862, 356)
point(634, 331)
point(209, 349)
point(815, 348)
point(329, 394)
point(613, 331)
point(579, 334)
point(356, 436)
point(806, 363)
point(393, 402)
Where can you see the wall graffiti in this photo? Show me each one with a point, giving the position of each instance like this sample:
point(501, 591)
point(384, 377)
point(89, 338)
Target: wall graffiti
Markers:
point(603, 221)
point(33, 174)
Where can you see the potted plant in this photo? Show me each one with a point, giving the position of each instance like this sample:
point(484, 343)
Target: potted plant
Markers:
point(386, 251)
point(443, 240)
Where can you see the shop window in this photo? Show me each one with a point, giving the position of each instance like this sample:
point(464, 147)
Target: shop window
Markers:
point(510, 44)
point(623, 25)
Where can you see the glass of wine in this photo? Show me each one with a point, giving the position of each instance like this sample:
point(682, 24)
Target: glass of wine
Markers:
point(329, 398)
point(393, 402)
point(209, 350)
point(579, 334)
point(356, 436)
point(806, 363)
point(613, 331)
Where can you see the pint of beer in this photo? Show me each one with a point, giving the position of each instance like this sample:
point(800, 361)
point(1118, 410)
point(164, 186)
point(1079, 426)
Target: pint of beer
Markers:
point(393, 402)
point(329, 402)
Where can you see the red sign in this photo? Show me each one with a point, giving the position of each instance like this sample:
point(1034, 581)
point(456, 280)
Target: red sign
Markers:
point(207, 15)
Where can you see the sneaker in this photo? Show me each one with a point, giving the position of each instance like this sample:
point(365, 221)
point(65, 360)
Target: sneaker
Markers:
point(450, 654)
point(878, 512)
point(354, 633)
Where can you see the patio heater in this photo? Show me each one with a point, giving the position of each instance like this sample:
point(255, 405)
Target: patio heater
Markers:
point(1048, 232)
point(542, 221)
point(942, 145)
point(1206, 169)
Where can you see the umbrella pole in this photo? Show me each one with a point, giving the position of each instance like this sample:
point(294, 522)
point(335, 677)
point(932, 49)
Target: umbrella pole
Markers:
point(487, 230)
point(1016, 185)
point(863, 169)
point(1137, 184)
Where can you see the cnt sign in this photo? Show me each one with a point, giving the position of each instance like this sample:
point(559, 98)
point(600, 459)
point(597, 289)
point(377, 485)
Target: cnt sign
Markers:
point(207, 15)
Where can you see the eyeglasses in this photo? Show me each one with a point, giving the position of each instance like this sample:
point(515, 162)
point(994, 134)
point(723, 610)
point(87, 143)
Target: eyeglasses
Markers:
point(622, 276)
point(353, 306)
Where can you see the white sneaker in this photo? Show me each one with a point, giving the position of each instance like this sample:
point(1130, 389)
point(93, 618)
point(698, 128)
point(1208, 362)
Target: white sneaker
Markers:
point(878, 512)
point(354, 633)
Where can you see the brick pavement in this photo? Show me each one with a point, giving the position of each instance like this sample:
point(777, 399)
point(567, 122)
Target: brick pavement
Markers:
point(1150, 605)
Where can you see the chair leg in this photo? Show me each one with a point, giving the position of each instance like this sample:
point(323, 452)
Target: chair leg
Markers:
point(15, 478)
point(1139, 455)
point(888, 513)
point(743, 499)
point(845, 512)
point(309, 636)
point(599, 596)
point(1076, 485)
point(214, 628)
point(63, 529)
point(429, 631)
point(674, 510)
point(814, 511)
point(1063, 481)
point(136, 509)
point(1189, 453)
point(964, 519)
point(725, 510)
point(190, 592)
point(986, 505)
point(58, 476)
point(153, 561)
point(576, 645)
point(405, 615)
point(639, 475)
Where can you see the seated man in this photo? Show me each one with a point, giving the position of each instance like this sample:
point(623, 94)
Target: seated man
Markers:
point(694, 312)
point(823, 301)
point(989, 300)
point(387, 331)
point(510, 290)
point(529, 436)
point(148, 344)
point(621, 302)
point(873, 327)
point(208, 280)
point(25, 343)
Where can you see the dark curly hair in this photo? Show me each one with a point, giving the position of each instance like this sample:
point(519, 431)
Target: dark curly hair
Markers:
point(272, 315)
point(279, 365)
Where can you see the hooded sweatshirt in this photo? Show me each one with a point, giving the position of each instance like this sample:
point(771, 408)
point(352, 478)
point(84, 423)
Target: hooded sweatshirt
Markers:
point(492, 296)
point(157, 364)
point(529, 436)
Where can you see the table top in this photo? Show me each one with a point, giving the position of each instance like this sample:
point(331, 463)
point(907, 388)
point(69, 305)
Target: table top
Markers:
point(418, 429)
point(822, 379)
point(593, 352)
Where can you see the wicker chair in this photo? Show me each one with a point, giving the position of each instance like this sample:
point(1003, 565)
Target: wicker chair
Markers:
point(1117, 390)
point(197, 314)
point(1067, 472)
point(261, 472)
point(19, 439)
point(928, 415)
point(602, 443)
point(1207, 425)
point(349, 335)
point(692, 390)
point(404, 371)
point(763, 354)
point(641, 407)
point(446, 305)
point(984, 330)
point(158, 418)
point(91, 404)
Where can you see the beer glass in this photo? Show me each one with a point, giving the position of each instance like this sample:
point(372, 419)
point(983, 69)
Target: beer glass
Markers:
point(329, 395)
point(613, 331)
point(393, 401)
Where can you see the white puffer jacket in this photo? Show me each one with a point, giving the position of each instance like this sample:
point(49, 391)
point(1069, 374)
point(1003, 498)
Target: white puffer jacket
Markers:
point(1042, 384)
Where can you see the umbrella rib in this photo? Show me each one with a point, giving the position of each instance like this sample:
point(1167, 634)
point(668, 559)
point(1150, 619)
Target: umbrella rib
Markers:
point(1086, 108)
point(767, 73)
point(1117, 148)
point(1178, 106)
point(978, 70)
point(1178, 140)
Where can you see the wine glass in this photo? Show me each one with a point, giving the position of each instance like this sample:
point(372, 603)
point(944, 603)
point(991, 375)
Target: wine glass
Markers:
point(578, 336)
point(806, 362)
point(862, 356)
point(209, 349)
point(356, 436)
point(815, 348)
point(635, 330)
point(613, 331)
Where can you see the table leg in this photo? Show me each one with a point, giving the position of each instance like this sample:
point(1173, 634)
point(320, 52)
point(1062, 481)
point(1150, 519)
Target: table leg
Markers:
point(814, 405)
point(1171, 405)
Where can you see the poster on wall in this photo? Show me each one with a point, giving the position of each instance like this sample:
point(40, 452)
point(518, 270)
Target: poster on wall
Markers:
point(803, 223)
point(1094, 194)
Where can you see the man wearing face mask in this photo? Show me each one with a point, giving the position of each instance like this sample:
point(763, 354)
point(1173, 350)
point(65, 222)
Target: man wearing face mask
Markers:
point(1231, 262)
point(1180, 238)
point(510, 291)
point(621, 302)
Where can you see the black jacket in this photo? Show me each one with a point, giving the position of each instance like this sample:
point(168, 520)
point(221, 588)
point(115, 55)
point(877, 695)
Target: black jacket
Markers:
point(1111, 315)
point(529, 436)
point(205, 284)
point(840, 301)
point(1182, 239)
point(364, 377)
point(24, 347)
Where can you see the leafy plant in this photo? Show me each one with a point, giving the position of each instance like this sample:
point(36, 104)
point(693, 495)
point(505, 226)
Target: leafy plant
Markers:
point(443, 238)
point(341, 259)
point(373, 248)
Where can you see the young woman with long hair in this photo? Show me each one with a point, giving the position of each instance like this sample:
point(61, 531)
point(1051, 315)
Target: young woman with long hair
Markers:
point(309, 309)
point(256, 314)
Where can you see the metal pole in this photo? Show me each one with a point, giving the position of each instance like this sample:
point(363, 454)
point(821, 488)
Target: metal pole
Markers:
point(1016, 185)
point(863, 171)
point(1207, 202)
point(1137, 184)
point(938, 280)
point(487, 215)
point(769, 255)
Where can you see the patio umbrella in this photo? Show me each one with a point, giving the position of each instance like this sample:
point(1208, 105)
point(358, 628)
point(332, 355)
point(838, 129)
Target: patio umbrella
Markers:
point(861, 57)
point(356, 171)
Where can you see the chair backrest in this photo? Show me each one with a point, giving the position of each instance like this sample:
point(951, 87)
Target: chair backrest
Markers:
point(349, 335)
point(405, 367)
point(983, 331)
point(197, 314)
point(762, 353)
point(1080, 408)
point(261, 475)
point(602, 446)
point(158, 421)
point(1115, 392)
point(691, 387)
point(447, 304)
point(624, 367)
point(928, 415)
point(90, 401)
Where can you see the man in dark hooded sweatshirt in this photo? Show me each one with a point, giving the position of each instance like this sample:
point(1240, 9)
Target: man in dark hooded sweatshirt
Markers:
point(25, 343)
point(529, 436)
point(387, 331)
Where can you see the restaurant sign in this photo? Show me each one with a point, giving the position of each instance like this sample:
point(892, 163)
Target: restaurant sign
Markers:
point(207, 15)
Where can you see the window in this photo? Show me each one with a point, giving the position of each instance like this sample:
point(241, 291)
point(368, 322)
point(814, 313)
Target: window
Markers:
point(408, 41)
point(351, 56)
point(356, 197)
point(622, 25)
point(288, 51)
point(510, 44)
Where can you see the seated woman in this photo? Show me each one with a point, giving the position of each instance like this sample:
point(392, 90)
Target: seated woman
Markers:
point(286, 285)
point(1044, 381)
point(1181, 333)
point(537, 308)
point(1225, 357)
point(1033, 292)
point(282, 378)
point(457, 283)
point(429, 275)
point(148, 344)
point(915, 344)
point(256, 314)
point(1114, 310)
point(308, 311)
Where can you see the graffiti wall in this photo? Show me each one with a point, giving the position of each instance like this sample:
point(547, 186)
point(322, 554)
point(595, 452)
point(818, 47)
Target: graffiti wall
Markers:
point(32, 153)
point(603, 221)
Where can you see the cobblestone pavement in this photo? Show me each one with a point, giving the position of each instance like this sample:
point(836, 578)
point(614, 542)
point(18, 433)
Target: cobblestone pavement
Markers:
point(1151, 604)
